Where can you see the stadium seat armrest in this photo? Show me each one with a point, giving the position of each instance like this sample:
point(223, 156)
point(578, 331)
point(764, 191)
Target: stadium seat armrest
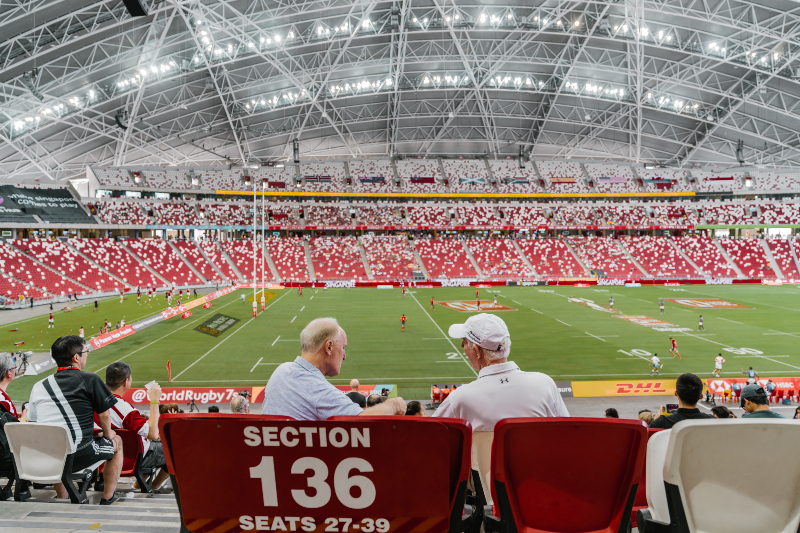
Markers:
point(467, 519)
point(646, 524)
point(492, 523)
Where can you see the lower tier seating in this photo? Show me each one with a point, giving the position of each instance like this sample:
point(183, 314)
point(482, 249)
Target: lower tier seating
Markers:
point(445, 258)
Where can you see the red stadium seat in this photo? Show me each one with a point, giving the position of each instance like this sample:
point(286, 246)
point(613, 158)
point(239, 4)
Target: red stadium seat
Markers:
point(570, 474)
point(132, 457)
point(284, 468)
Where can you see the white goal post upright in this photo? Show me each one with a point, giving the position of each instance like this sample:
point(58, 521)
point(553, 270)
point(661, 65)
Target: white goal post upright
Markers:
point(255, 227)
point(263, 234)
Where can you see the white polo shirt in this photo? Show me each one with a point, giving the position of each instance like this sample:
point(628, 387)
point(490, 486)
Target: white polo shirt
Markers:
point(503, 391)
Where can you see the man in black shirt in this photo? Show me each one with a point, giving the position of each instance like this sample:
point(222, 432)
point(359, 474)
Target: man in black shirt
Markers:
point(689, 390)
point(356, 396)
point(70, 398)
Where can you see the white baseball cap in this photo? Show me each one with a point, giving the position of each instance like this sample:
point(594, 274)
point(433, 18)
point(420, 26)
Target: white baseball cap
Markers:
point(485, 330)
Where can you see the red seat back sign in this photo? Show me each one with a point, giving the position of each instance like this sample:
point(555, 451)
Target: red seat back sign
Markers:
point(342, 476)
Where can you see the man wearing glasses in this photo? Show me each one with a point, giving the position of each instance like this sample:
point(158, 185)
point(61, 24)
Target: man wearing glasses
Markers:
point(70, 398)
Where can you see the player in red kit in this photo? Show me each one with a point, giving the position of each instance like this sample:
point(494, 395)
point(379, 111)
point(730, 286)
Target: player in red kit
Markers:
point(404, 292)
point(674, 350)
point(432, 305)
point(403, 322)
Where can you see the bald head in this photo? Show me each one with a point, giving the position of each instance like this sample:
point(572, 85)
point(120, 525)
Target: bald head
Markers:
point(317, 333)
point(354, 384)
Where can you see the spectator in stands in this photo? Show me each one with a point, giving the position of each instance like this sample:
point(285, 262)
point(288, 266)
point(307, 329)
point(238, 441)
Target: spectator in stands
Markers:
point(611, 413)
point(502, 390)
point(8, 371)
point(240, 405)
point(168, 408)
point(720, 411)
point(646, 416)
point(356, 396)
point(299, 388)
point(72, 398)
point(414, 409)
point(213, 409)
point(689, 390)
point(755, 402)
point(375, 399)
point(124, 416)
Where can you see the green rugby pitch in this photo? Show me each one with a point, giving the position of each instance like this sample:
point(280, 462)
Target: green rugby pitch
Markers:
point(550, 334)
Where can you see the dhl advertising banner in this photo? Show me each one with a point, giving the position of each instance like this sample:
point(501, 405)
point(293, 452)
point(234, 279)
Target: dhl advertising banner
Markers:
point(650, 387)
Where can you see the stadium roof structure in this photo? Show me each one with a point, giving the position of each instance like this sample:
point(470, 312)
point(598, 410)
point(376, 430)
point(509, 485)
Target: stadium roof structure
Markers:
point(675, 82)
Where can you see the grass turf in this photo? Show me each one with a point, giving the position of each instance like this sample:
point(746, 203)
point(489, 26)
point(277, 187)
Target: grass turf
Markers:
point(549, 333)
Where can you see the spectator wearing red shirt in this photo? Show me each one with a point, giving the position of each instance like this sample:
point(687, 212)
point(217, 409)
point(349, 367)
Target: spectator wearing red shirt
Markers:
point(8, 371)
point(125, 416)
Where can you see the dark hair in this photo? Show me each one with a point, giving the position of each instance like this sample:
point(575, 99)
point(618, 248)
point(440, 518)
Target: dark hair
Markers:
point(117, 373)
point(759, 399)
point(413, 408)
point(720, 411)
point(65, 348)
point(374, 399)
point(612, 413)
point(213, 409)
point(689, 388)
point(645, 411)
point(24, 406)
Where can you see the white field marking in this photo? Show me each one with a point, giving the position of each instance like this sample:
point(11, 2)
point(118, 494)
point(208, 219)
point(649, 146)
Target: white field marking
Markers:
point(289, 340)
point(310, 298)
point(684, 334)
point(532, 309)
point(436, 339)
point(784, 333)
point(516, 302)
point(220, 343)
point(753, 355)
point(557, 320)
point(255, 365)
point(436, 378)
point(595, 336)
point(276, 340)
point(727, 320)
point(160, 338)
point(459, 362)
point(779, 362)
point(271, 364)
point(636, 355)
point(293, 319)
point(645, 301)
point(445, 336)
point(301, 309)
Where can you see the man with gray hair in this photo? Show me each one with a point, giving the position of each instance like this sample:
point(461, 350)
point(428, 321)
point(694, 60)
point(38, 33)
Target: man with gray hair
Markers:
point(8, 371)
point(240, 405)
point(299, 388)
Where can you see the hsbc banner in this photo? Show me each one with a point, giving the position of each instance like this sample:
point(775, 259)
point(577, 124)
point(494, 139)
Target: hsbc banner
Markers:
point(113, 336)
point(721, 385)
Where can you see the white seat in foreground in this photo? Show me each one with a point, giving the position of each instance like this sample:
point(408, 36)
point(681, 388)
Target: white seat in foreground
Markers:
point(42, 454)
point(734, 475)
point(655, 519)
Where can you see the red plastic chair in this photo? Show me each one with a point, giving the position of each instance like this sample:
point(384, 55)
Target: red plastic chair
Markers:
point(565, 474)
point(640, 500)
point(132, 457)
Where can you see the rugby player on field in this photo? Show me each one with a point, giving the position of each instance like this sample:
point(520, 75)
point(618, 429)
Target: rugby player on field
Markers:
point(674, 350)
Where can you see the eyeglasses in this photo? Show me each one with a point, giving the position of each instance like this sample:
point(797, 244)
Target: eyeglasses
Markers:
point(83, 352)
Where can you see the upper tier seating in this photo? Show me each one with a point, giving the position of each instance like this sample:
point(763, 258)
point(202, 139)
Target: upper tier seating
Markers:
point(575, 215)
point(467, 175)
point(118, 261)
point(377, 215)
point(604, 253)
point(227, 214)
point(372, 169)
point(551, 257)
point(123, 213)
point(192, 254)
point(710, 181)
point(337, 258)
point(505, 171)
point(161, 257)
point(563, 169)
point(431, 214)
point(659, 258)
point(623, 215)
point(17, 264)
point(59, 256)
point(167, 179)
point(749, 256)
point(282, 214)
point(110, 177)
point(276, 176)
point(174, 214)
point(782, 252)
point(667, 214)
point(523, 216)
point(475, 215)
point(390, 257)
point(776, 181)
point(677, 177)
point(703, 253)
point(243, 256)
point(445, 258)
point(333, 171)
point(728, 214)
point(786, 213)
point(328, 215)
point(497, 258)
point(222, 180)
point(289, 257)
point(214, 253)
point(420, 168)
point(614, 172)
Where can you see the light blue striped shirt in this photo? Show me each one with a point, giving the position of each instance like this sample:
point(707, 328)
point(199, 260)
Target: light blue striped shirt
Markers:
point(298, 389)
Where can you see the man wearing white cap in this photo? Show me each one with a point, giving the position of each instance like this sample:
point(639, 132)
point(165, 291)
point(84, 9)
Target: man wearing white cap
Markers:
point(501, 391)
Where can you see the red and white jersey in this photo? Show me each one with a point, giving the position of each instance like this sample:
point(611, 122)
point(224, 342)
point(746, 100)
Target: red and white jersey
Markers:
point(125, 416)
point(718, 360)
point(7, 404)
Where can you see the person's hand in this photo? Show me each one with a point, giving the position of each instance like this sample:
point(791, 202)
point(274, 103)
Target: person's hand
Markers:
point(154, 394)
point(397, 404)
point(111, 434)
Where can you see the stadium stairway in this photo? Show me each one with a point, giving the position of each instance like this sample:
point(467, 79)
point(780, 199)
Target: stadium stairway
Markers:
point(211, 263)
point(271, 264)
point(364, 259)
point(230, 261)
point(420, 263)
point(524, 257)
point(310, 264)
point(472, 259)
point(631, 258)
point(731, 264)
point(98, 265)
point(685, 257)
point(793, 251)
point(144, 263)
point(772, 261)
point(177, 251)
point(586, 270)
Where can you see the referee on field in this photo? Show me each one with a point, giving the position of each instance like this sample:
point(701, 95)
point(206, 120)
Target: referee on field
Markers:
point(70, 398)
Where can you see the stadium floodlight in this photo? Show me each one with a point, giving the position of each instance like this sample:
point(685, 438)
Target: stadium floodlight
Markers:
point(388, 81)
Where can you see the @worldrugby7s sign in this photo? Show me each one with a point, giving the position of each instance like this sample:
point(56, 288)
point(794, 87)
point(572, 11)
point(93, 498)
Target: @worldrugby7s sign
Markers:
point(341, 476)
